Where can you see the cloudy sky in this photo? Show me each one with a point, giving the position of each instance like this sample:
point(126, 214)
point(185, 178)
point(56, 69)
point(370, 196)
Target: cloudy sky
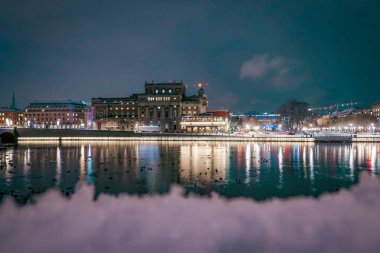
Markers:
point(253, 54)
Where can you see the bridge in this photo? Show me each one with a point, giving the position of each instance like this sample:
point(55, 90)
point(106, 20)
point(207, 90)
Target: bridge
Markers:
point(7, 135)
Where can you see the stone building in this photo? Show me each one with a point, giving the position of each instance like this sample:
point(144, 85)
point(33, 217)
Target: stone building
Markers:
point(59, 114)
point(161, 105)
point(11, 116)
point(119, 113)
point(376, 110)
point(210, 122)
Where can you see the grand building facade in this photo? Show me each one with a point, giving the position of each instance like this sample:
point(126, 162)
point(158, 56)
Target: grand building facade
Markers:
point(119, 113)
point(161, 105)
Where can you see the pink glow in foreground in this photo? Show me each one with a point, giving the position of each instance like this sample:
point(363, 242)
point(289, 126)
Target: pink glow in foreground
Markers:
point(344, 222)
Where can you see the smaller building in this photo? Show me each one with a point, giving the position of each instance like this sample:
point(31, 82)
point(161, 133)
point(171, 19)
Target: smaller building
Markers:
point(11, 117)
point(324, 120)
point(376, 109)
point(266, 121)
point(210, 122)
point(59, 114)
point(119, 114)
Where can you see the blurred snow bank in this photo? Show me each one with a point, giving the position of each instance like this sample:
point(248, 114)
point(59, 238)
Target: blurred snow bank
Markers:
point(348, 221)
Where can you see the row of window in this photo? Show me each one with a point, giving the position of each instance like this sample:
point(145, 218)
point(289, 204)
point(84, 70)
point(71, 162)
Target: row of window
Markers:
point(123, 103)
point(121, 108)
point(204, 119)
point(51, 115)
point(10, 114)
point(52, 110)
point(160, 99)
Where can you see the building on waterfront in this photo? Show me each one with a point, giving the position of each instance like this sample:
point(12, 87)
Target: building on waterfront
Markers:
point(355, 118)
point(59, 114)
point(236, 121)
point(115, 113)
point(210, 122)
point(376, 109)
point(324, 120)
point(161, 105)
point(11, 116)
point(264, 121)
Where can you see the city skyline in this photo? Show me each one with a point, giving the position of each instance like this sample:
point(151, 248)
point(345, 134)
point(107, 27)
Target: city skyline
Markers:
point(253, 54)
point(332, 106)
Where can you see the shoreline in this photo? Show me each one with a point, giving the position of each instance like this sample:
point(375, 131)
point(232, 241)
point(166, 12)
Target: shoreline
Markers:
point(61, 135)
point(204, 138)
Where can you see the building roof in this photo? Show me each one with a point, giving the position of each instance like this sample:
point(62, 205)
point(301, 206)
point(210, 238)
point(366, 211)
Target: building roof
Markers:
point(223, 113)
point(7, 109)
point(133, 97)
point(57, 104)
point(169, 83)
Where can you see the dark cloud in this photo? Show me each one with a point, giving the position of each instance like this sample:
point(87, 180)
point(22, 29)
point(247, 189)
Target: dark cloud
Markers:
point(82, 49)
point(274, 72)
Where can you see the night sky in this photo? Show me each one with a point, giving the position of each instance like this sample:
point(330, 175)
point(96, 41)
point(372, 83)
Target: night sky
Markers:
point(253, 54)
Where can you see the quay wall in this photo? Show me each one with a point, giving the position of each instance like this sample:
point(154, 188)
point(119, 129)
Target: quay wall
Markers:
point(366, 139)
point(28, 134)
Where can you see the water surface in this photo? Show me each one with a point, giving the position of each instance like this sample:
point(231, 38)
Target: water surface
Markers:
point(255, 170)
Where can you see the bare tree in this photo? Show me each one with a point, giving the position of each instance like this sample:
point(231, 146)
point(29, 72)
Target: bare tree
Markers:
point(295, 111)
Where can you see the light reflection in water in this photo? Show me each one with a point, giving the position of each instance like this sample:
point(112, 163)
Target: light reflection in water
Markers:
point(58, 162)
point(256, 170)
point(280, 166)
point(247, 163)
point(90, 166)
point(311, 162)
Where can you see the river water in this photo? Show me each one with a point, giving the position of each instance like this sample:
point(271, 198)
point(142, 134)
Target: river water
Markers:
point(258, 171)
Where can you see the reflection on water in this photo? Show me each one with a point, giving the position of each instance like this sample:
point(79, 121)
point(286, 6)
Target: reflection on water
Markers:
point(256, 170)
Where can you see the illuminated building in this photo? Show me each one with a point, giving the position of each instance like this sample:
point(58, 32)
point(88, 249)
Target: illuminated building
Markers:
point(161, 105)
point(210, 122)
point(266, 121)
point(59, 114)
point(115, 113)
point(324, 120)
point(11, 116)
point(376, 109)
